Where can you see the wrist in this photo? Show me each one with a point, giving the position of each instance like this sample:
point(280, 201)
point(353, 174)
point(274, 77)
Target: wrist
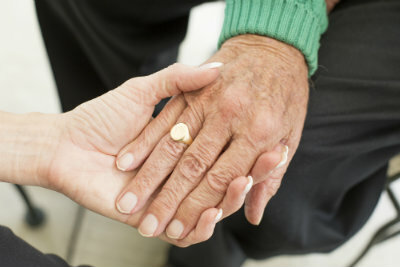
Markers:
point(257, 43)
point(263, 53)
point(299, 23)
point(27, 144)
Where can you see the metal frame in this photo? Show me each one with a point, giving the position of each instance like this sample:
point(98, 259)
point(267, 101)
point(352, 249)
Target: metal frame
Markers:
point(388, 230)
point(34, 216)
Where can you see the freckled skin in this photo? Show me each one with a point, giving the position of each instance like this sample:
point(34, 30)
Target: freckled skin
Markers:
point(263, 80)
point(86, 141)
point(257, 104)
point(259, 100)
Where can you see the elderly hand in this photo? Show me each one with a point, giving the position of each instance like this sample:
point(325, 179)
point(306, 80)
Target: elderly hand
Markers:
point(257, 106)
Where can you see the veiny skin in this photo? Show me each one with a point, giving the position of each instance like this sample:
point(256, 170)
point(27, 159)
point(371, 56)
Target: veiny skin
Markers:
point(75, 153)
point(79, 148)
point(263, 85)
point(260, 100)
point(257, 104)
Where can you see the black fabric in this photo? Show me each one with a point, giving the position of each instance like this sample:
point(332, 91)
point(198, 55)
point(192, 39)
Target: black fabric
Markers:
point(95, 45)
point(351, 131)
point(15, 252)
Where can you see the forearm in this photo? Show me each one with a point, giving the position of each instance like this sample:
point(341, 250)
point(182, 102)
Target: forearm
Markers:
point(26, 142)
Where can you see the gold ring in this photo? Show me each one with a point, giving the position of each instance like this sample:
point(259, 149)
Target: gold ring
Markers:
point(180, 133)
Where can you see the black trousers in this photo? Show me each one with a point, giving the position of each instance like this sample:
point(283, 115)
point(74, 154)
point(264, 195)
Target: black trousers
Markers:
point(351, 131)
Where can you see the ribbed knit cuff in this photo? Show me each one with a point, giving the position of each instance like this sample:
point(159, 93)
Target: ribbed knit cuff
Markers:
point(296, 22)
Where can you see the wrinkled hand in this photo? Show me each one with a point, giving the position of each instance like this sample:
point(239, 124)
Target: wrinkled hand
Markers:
point(82, 164)
point(244, 119)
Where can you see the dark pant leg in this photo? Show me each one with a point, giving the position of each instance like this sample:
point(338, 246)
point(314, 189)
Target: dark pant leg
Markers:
point(95, 45)
point(338, 173)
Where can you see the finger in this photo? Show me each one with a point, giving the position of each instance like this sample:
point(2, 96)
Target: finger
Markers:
point(261, 194)
point(234, 162)
point(256, 201)
point(171, 81)
point(134, 154)
point(190, 170)
point(155, 170)
point(266, 162)
point(232, 202)
point(236, 195)
point(203, 231)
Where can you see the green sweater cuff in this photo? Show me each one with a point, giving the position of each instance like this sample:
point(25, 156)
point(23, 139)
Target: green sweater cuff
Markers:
point(296, 22)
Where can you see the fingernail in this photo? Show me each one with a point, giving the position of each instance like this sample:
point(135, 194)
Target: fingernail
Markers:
point(212, 65)
point(126, 204)
point(175, 229)
point(125, 162)
point(249, 185)
point(218, 216)
point(260, 219)
point(284, 158)
point(148, 226)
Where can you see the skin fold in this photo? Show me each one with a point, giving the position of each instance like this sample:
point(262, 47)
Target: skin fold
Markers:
point(75, 153)
point(241, 115)
point(257, 105)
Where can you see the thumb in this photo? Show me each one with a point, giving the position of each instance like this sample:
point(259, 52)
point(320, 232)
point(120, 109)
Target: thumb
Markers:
point(172, 81)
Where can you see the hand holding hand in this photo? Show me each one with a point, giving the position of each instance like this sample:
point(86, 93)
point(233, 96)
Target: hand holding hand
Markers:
point(246, 118)
point(81, 164)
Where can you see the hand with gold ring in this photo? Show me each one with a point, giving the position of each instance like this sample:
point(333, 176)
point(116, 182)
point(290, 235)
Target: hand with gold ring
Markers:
point(257, 106)
point(180, 133)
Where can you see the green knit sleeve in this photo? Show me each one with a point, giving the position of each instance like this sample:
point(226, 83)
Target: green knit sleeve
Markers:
point(296, 22)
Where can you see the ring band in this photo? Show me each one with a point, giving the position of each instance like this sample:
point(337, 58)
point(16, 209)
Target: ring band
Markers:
point(180, 133)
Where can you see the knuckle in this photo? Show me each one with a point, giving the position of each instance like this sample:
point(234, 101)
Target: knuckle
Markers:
point(218, 181)
point(169, 83)
point(145, 140)
point(194, 114)
point(142, 184)
point(234, 105)
point(164, 120)
point(195, 203)
point(170, 195)
point(166, 200)
point(191, 208)
point(175, 68)
point(133, 90)
point(171, 149)
point(262, 133)
point(192, 168)
point(263, 128)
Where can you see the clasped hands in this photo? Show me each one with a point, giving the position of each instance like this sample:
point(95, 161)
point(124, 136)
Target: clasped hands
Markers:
point(245, 118)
